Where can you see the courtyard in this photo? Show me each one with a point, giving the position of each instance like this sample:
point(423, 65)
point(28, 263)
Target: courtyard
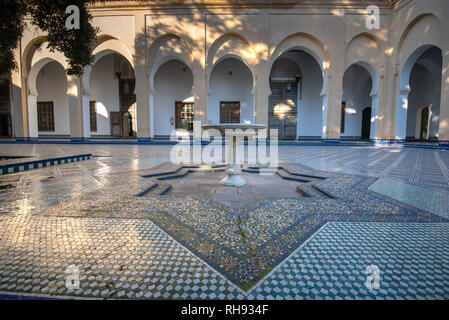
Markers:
point(127, 223)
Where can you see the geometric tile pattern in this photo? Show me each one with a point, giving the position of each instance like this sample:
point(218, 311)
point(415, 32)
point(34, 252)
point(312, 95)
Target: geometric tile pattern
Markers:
point(35, 251)
point(423, 167)
point(241, 243)
point(116, 258)
point(433, 201)
point(413, 263)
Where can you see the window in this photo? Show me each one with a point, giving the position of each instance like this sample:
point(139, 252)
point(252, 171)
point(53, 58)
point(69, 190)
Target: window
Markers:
point(184, 114)
point(343, 113)
point(45, 116)
point(230, 112)
point(93, 116)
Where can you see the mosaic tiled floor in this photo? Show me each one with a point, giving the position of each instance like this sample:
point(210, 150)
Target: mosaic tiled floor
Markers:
point(246, 243)
point(167, 248)
point(116, 258)
point(412, 260)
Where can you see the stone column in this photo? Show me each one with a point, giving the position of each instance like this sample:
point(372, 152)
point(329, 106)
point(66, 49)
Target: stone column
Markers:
point(32, 129)
point(142, 89)
point(444, 103)
point(389, 105)
point(200, 91)
point(142, 103)
point(19, 129)
point(262, 86)
point(376, 111)
point(401, 114)
point(200, 79)
point(78, 109)
point(331, 108)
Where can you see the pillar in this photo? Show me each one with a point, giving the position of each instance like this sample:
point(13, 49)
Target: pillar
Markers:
point(374, 116)
point(32, 132)
point(331, 105)
point(262, 70)
point(401, 114)
point(200, 78)
point(142, 89)
point(78, 109)
point(443, 131)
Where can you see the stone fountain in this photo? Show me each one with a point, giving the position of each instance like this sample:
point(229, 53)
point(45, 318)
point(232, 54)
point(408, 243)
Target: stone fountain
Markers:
point(233, 138)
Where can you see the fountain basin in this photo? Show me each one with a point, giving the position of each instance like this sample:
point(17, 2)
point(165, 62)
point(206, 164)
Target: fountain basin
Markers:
point(233, 169)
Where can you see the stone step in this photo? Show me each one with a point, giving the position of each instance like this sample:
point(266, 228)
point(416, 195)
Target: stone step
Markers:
point(301, 190)
point(164, 190)
point(159, 174)
point(147, 190)
point(323, 192)
point(302, 175)
point(286, 176)
point(309, 192)
point(179, 174)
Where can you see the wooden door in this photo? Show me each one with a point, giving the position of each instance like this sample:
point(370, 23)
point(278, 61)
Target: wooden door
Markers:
point(282, 109)
point(230, 112)
point(45, 116)
point(184, 115)
point(116, 123)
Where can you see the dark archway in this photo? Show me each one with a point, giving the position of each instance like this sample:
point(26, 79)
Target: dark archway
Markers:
point(5, 112)
point(366, 123)
point(424, 127)
point(294, 106)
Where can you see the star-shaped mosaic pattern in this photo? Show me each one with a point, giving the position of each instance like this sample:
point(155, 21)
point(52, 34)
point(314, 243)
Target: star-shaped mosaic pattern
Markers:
point(246, 243)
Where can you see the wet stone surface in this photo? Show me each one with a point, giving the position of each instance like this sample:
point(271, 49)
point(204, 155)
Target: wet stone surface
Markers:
point(242, 243)
point(196, 242)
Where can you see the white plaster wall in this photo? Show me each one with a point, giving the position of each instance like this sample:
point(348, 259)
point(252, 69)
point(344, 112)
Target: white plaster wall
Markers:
point(235, 87)
point(309, 105)
point(357, 85)
point(104, 90)
point(171, 84)
point(265, 28)
point(52, 86)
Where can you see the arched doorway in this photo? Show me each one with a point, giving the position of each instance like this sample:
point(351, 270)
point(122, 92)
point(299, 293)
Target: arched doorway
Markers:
point(420, 95)
point(285, 81)
point(112, 98)
point(294, 106)
point(230, 97)
point(52, 101)
point(356, 114)
point(173, 100)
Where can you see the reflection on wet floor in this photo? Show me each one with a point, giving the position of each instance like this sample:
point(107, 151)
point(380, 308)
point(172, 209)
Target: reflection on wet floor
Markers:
point(22, 193)
point(45, 194)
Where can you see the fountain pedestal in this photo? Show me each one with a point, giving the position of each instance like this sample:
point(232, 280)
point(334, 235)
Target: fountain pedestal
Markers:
point(233, 138)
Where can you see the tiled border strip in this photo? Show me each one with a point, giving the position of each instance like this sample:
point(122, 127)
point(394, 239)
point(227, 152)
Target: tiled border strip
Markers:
point(42, 163)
